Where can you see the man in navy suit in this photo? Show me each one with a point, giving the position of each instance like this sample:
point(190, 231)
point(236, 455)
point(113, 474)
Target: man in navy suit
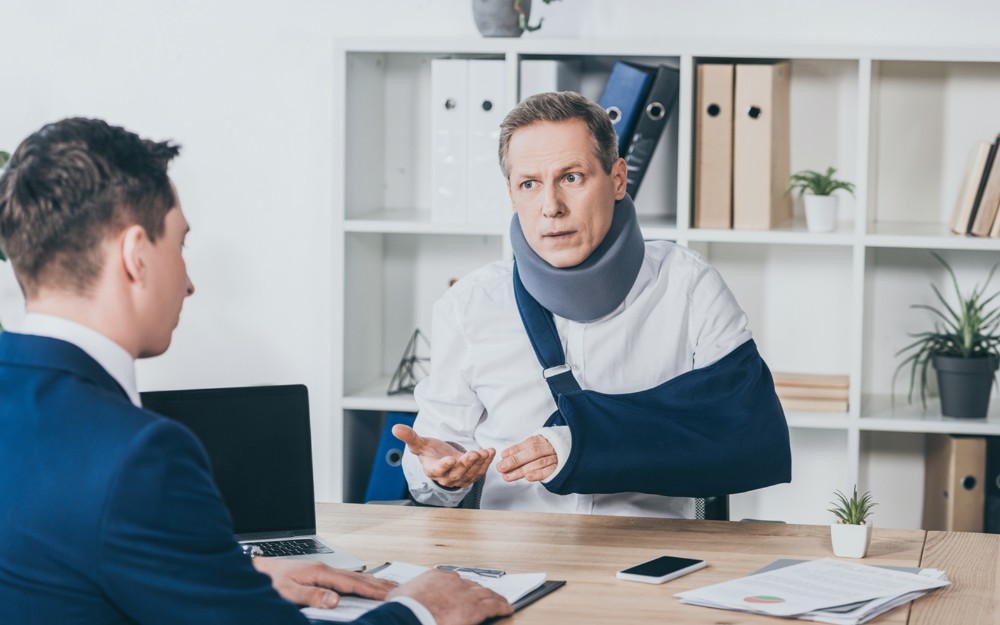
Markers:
point(109, 513)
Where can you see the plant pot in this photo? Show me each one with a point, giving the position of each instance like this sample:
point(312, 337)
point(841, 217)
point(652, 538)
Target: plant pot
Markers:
point(821, 212)
point(965, 384)
point(851, 541)
point(498, 18)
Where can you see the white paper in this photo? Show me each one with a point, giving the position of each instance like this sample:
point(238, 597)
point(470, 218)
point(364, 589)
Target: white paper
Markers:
point(808, 587)
point(511, 587)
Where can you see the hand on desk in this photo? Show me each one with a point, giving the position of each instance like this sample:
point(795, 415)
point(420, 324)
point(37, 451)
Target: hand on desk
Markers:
point(533, 459)
point(445, 463)
point(317, 585)
point(453, 600)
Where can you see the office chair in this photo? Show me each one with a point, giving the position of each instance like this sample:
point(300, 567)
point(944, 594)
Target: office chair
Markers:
point(712, 508)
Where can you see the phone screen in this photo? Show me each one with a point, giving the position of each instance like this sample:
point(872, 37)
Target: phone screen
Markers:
point(664, 565)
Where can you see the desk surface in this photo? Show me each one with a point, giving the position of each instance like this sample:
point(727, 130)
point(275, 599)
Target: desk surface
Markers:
point(587, 550)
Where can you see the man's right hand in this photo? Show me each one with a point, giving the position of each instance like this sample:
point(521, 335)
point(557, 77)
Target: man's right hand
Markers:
point(444, 463)
point(453, 600)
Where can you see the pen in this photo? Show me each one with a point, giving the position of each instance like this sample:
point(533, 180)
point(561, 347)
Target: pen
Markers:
point(469, 569)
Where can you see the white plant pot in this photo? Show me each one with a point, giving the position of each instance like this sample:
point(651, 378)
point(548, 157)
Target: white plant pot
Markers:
point(821, 212)
point(851, 541)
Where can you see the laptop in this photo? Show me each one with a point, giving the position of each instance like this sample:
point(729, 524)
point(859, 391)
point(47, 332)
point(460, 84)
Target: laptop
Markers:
point(260, 446)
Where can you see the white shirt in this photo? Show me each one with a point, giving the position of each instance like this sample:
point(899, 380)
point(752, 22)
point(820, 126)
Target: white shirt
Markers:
point(485, 388)
point(110, 355)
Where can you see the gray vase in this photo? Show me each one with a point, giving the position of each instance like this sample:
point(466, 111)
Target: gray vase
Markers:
point(497, 18)
point(964, 384)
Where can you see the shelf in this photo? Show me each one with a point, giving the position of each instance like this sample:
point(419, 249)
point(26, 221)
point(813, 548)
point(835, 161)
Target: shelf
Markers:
point(934, 236)
point(818, 420)
point(794, 233)
point(374, 397)
point(416, 221)
point(880, 415)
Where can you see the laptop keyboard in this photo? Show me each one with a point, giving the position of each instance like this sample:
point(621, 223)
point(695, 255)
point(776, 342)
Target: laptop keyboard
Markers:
point(294, 547)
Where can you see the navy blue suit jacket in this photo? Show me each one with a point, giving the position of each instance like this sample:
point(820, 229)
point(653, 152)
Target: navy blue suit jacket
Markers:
point(108, 513)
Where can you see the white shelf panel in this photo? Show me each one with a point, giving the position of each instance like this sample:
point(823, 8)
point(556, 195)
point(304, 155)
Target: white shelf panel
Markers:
point(879, 414)
point(416, 221)
point(374, 397)
point(655, 46)
point(933, 236)
point(818, 420)
point(794, 233)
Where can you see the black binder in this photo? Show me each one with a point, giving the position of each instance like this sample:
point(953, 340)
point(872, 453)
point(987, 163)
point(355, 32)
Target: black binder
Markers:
point(653, 118)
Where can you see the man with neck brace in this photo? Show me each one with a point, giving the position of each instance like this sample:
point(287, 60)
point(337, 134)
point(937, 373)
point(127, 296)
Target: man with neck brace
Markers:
point(616, 376)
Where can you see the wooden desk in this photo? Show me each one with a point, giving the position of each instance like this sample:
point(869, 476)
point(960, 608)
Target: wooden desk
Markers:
point(972, 562)
point(587, 550)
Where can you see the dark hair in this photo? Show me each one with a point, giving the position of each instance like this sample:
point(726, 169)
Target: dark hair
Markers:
point(70, 185)
point(557, 107)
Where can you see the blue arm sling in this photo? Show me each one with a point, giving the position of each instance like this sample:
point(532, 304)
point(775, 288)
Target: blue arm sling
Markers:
point(712, 431)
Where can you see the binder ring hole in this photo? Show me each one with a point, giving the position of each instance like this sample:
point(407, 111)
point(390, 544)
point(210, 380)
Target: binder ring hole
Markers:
point(969, 482)
point(487, 106)
point(450, 104)
point(714, 110)
point(394, 457)
point(655, 111)
point(614, 113)
point(753, 112)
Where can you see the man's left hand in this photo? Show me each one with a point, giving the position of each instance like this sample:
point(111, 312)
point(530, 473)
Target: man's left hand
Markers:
point(533, 459)
point(317, 585)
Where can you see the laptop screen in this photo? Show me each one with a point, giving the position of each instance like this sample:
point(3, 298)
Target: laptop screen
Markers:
point(259, 443)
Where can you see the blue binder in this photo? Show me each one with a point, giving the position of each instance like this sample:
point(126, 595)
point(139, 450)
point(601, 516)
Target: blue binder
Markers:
point(386, 481)
point(623, 98)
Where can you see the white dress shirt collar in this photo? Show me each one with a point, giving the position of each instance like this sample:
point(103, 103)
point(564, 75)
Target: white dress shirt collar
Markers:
point(110, 355)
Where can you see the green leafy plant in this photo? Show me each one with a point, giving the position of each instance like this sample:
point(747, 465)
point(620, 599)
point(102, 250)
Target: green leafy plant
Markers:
point(816, 183)
point(853, 510)
point(970, 330)
point(522, 19)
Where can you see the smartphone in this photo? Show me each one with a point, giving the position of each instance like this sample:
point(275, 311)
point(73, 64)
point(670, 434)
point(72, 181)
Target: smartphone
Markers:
point(660, 570)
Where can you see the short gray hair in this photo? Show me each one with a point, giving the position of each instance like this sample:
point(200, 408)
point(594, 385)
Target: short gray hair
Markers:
point(557, 107)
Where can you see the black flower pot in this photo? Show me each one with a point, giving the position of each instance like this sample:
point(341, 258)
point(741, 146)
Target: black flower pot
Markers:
point(965, 385)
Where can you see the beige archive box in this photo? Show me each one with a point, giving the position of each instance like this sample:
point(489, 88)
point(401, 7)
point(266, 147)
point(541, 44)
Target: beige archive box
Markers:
point(713, 170)
point(954, 482)
point(761, 164)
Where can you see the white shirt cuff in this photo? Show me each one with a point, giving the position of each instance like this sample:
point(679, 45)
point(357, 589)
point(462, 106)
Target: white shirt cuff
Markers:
point(423, 614)
point(561, 440)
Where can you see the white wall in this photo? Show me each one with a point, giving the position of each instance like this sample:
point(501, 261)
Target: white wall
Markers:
point(245, 86)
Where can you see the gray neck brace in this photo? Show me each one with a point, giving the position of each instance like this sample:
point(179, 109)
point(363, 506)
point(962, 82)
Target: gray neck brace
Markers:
point(596, 286)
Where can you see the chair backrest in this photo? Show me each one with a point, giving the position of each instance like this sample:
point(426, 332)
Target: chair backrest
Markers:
point(712, 508)
point(471, 500)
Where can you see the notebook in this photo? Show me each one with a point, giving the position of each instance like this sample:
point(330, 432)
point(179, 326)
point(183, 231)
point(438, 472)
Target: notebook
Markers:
point(260, 446)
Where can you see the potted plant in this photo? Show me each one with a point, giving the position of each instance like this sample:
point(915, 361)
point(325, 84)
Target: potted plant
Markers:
point(504, 18)
point(820, 203)
point(852, 533)
point(964, 348)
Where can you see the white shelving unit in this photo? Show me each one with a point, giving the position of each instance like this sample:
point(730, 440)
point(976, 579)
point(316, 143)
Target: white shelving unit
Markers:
point(899, 123)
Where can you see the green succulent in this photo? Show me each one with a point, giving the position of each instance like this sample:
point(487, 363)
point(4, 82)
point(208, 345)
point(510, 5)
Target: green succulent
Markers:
point(854, 510)
point(817, 183)
point(970, 330)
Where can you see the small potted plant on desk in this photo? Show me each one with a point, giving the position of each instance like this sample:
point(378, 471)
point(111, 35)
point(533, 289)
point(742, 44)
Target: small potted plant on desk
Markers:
point(964, 349)
point(852, 533)
point(820, 203)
